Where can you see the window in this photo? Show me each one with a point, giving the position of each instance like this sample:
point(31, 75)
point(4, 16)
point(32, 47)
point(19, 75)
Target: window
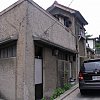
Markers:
point(57, 17)
point(61, 56)
point(92, 66)
point(8, 50)
point(67, 22)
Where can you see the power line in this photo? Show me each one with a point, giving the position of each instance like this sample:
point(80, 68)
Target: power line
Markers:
point(70, 3)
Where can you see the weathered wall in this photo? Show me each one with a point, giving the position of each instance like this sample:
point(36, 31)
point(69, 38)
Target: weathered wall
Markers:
point(67, 14)
point(13, 22)
point(43, 25)
point(82, 48)
point(27, 19)
point(50, 71)
point(7, 78)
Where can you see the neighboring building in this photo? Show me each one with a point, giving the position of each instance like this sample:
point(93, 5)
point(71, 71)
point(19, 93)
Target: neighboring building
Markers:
point(37, 52)
point(90, 53)
point(74, 23)
point(97, 47)
point(90, 42)
point(90, 47)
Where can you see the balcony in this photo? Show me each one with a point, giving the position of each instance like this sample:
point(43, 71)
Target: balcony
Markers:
point(82, 34)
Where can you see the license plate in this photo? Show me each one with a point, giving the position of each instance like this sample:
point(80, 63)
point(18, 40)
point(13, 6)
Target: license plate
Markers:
point(95, 77)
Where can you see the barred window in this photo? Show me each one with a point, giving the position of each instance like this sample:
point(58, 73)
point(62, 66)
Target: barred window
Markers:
point(8, 50)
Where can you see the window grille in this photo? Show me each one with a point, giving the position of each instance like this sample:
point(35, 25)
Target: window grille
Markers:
point(8, 50)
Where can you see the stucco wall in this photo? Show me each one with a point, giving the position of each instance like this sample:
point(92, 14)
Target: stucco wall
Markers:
point(13, 22)
point(82, 48)
point(18, 20)
point(43, 25)
point(67, 14)
point(50, 71)
point(7, 78)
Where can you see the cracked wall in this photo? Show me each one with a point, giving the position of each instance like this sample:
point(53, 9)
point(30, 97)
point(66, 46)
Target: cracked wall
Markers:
point(43, 25)
point(13, 22)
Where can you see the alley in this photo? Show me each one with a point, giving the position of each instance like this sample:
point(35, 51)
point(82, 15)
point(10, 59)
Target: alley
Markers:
point(77, 96)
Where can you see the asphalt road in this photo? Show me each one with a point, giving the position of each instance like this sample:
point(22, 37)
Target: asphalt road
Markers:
point(91, 95)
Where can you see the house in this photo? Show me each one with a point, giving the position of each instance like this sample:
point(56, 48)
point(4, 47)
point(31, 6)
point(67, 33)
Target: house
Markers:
point(90, 47)
point(37, 52)
point(97, 47)
point(74, 23)
point(90, 53)
point(91, 43)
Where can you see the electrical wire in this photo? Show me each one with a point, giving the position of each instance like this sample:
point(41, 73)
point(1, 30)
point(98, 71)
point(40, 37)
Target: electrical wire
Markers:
point(70, 3)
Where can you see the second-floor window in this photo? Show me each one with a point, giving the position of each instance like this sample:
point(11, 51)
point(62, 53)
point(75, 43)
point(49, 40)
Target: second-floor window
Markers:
point(67, 22)
point(64, 20)
point(57, 17)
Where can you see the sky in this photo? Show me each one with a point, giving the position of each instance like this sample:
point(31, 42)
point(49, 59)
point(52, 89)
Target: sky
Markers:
point(88, 8)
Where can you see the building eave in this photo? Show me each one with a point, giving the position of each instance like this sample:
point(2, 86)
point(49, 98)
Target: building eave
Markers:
point(75, 13)
point(8, 39)
point(91, 39)
point(50, 43)
point(79, 16)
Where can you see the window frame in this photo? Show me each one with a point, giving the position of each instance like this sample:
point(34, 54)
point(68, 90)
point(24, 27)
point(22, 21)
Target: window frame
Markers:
point(8, 50)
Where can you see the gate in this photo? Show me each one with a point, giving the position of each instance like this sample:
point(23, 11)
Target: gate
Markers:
point(63, 72)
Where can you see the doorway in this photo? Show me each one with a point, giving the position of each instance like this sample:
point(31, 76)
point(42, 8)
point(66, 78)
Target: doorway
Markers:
point(38, 73)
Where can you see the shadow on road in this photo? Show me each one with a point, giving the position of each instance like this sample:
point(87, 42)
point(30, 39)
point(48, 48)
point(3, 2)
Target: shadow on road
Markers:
point(90, 94)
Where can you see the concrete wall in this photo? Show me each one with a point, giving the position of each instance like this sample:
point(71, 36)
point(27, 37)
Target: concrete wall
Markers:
point(67, 14)
point(50, 71)
point(7, 78)
point(13, 22)
point(26, 19)
point(82, 48)
point(43, 25)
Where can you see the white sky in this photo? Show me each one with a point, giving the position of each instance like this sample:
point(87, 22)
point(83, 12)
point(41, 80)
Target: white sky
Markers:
point(88, 8)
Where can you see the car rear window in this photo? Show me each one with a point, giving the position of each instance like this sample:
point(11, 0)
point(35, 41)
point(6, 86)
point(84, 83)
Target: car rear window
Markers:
point(91, 66)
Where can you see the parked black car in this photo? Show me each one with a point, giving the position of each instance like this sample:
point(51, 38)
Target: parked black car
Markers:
point(89, 75)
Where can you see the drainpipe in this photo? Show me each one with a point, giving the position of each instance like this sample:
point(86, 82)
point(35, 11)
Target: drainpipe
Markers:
point(77, 55)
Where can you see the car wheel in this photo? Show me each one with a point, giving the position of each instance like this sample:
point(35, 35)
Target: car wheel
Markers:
point(83, 92)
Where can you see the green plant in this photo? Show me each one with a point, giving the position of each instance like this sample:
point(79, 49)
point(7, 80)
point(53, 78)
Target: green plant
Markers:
point(43, 98)
point(67, 87)
point(97, 45)
point(59, 91)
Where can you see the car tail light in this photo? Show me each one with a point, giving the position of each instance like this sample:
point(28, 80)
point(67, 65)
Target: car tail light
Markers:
point(80, 76)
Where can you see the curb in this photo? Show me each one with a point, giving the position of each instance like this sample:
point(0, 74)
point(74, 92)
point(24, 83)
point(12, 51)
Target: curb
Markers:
point(68, 92)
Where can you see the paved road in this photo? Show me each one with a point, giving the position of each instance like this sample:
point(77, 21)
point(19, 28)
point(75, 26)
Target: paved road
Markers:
point(95, 95)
